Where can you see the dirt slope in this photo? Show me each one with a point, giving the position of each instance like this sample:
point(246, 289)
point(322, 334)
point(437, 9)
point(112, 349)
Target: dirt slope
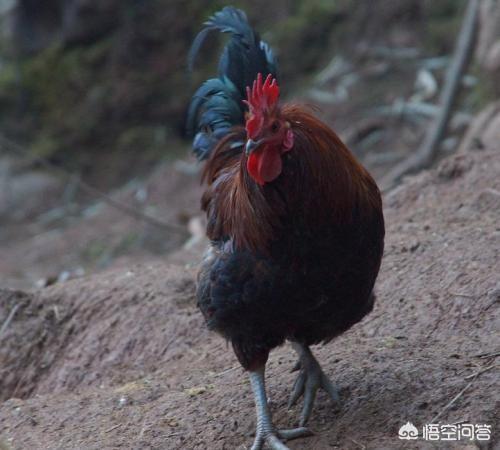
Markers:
point(122, 360)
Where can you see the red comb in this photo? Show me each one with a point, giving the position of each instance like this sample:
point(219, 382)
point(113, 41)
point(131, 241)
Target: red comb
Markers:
point(262, 95)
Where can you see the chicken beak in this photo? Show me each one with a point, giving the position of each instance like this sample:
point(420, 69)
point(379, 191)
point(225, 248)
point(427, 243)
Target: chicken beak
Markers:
point(251, 145)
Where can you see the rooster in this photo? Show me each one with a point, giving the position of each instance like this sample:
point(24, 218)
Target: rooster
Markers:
point(295, 222)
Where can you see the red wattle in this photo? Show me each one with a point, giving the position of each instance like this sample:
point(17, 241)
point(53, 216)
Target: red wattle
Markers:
point(252, 167)
point(264, 165)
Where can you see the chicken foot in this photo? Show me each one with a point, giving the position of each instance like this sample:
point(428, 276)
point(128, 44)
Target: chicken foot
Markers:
point(266, 433)
point(311, 377)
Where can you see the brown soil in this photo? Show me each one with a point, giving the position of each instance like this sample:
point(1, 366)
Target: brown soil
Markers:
point(122, 359)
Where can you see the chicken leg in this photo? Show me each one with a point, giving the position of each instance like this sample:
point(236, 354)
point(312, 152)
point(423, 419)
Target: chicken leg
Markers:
point(266, 433)
point(311, 377)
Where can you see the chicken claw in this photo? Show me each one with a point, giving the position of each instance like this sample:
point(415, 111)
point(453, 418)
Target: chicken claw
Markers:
point(266, 432)
point(311, 377)
point(273, 439)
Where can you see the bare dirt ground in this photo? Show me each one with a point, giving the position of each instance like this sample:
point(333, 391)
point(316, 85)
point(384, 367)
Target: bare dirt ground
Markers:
point(121, 359)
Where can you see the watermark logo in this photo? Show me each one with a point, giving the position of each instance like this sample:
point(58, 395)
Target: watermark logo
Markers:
point(408, 431)
point(446, 432)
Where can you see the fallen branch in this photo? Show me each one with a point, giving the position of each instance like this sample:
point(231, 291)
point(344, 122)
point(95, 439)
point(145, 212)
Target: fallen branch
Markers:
point(411, 109)
point(426, 154)
point(362, 129)
point(91, 190)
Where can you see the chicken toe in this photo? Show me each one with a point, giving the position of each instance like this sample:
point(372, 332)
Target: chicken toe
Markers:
point(266, 433)
point(310, 378)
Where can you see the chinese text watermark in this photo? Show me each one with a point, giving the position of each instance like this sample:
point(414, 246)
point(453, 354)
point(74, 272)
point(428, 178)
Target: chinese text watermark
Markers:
point(446, 432)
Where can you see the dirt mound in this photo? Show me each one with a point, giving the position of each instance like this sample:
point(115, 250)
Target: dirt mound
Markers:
point(88, 332)
point(122, 360)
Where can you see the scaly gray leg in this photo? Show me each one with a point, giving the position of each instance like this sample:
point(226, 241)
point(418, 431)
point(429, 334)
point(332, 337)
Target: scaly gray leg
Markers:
point(309, 380)
point(266, 433)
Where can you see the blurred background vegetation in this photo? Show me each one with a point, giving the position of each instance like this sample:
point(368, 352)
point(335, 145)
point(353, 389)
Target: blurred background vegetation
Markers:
point(99, 89)
point(101, 86)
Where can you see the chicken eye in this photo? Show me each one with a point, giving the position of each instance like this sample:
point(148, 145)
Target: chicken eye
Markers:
point(275, 126)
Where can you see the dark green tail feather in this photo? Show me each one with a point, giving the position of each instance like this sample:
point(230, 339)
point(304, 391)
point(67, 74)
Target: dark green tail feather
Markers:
point(217, 104)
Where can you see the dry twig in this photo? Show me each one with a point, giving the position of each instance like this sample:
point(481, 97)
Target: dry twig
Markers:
point(481, 371)
point(9, 319)
point(488, 355)
point(114, 427)
point(471, 377)
point(226, 371)
point(453, 400)
point(361, 446)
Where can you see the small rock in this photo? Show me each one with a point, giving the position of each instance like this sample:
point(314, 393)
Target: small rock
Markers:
point(488, 200)
point(197, 390)
point(452, 168)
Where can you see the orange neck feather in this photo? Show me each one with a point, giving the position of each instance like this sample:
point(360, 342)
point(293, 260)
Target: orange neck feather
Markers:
point(321, 181)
